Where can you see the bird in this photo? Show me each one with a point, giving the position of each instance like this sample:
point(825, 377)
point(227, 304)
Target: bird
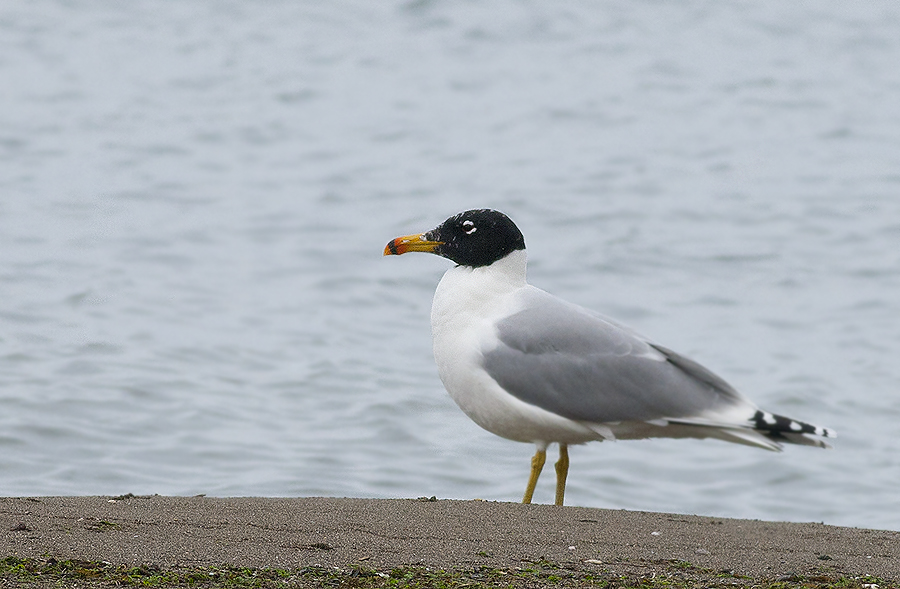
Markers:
point(530, 367)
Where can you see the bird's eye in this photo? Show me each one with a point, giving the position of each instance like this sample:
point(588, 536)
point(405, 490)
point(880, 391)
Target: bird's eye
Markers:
point(469, 227)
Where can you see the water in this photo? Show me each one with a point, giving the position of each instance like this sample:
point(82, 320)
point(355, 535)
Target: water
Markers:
point(195, 198)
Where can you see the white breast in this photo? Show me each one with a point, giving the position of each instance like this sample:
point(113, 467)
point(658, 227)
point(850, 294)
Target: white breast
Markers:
point(467, 304)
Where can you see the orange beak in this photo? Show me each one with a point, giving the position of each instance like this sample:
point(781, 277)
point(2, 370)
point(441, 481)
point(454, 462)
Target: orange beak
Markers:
point(411, 243)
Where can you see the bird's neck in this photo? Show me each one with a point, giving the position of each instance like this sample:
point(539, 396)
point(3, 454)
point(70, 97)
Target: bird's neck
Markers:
point(465, 291)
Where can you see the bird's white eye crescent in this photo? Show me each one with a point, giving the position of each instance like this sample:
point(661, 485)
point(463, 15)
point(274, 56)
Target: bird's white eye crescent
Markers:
point(469, 227)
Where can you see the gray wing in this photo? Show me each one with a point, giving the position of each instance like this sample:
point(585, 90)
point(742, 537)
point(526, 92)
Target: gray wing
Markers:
point(569, 361)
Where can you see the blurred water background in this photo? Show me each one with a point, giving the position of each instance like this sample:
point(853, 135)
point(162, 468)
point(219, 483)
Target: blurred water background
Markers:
point(194, 198)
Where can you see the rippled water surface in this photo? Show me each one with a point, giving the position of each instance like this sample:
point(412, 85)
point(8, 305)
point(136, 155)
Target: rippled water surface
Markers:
point(194, 198)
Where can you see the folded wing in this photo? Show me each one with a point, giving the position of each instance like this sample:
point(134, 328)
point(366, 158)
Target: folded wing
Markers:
point(585, 367)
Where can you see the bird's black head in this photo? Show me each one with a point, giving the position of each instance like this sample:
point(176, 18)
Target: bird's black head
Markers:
point(474, 238)
point(477, 238)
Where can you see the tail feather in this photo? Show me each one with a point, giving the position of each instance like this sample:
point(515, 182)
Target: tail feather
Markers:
point(762, 429)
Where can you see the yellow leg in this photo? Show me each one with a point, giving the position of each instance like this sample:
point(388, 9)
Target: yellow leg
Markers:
point(537, 464)
point(562, 470)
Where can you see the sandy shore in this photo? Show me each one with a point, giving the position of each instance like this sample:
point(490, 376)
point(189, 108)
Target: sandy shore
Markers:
point(381, 534)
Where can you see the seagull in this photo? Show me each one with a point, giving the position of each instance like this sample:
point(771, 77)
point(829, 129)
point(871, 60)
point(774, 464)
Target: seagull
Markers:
point(530, 367)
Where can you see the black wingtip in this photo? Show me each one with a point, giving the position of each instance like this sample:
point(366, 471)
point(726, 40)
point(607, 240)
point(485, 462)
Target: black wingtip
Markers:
point(776, 425)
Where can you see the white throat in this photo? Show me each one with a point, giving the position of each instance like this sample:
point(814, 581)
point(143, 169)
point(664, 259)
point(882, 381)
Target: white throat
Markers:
point(466, 294)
